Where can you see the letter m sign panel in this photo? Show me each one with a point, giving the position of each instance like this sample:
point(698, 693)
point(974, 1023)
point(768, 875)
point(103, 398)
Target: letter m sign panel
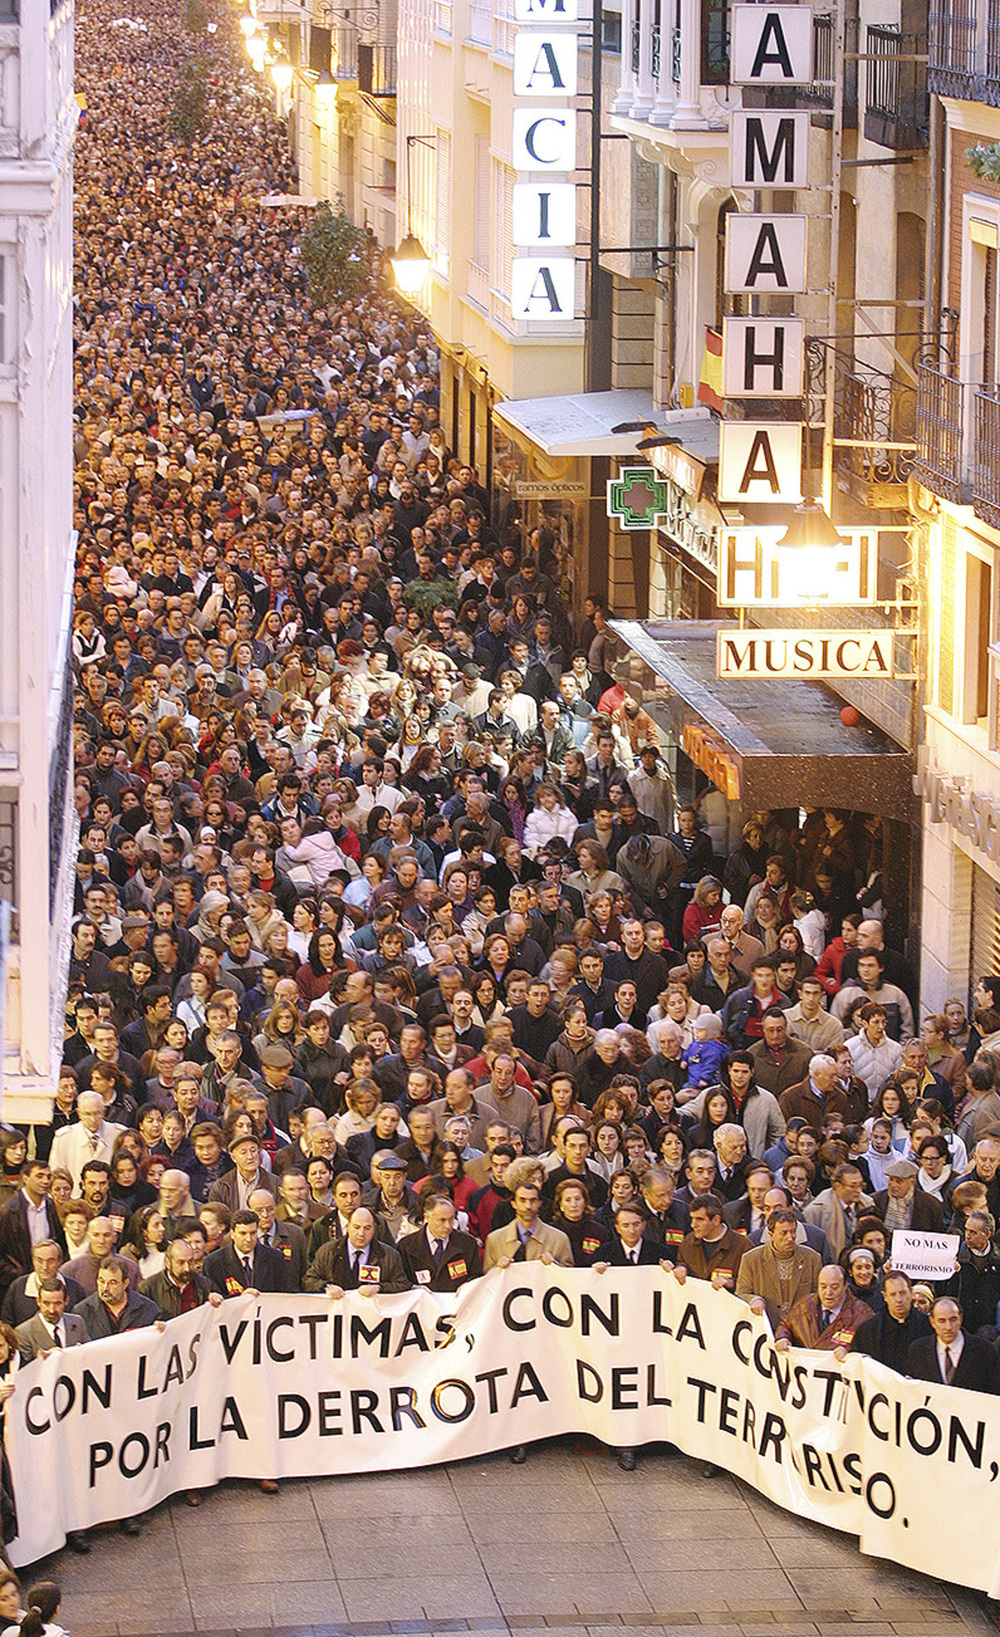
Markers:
point(768, 148)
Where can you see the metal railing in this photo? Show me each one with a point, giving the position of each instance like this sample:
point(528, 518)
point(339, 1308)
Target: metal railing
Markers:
point(964, 51)
point(986, 453)
point(873, 425)
point(938, 464)
point(897, 105)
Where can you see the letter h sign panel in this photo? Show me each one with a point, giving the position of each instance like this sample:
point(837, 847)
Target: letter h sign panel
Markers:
point(762, 357)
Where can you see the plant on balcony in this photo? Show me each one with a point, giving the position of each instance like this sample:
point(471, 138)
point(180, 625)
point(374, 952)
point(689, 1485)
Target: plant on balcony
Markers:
point(984, 161)
point(189, 114)
point(335, 255)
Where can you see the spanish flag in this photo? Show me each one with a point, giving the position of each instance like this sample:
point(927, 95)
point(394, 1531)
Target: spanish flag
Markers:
point(710, 384)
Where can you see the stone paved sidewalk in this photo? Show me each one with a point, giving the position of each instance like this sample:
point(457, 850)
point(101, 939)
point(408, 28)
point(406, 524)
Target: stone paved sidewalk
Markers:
point(567, 1541)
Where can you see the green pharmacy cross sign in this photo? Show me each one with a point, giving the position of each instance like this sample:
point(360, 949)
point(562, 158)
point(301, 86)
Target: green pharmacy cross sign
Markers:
point(637, 497)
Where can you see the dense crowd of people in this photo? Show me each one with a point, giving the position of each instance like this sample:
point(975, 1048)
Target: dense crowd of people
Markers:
point(395, 956)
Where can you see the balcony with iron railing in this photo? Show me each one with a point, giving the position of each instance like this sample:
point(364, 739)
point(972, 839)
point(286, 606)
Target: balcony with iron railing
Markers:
point(964, 51)
point(897, 104)
point(874, 423)
point(958, 439)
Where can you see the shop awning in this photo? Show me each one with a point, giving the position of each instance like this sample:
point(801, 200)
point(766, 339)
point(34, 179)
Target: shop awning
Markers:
point(767, 744)
point(581, 424)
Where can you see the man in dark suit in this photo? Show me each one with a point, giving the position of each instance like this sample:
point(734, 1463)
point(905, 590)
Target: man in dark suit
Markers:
point(901, 1204)
point(30, 1205)
point(21, 1301)
point(629, 1247)
point(284, 1237)
point(630, 1244)
point(242, 1263)
point(439, 1257)
point(951, 1355)
point(889, 1335)
point(359, 1261)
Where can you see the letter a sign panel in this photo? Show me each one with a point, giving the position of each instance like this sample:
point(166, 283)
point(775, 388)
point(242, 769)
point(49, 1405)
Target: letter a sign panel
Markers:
point(760, 461)
point(772, 45)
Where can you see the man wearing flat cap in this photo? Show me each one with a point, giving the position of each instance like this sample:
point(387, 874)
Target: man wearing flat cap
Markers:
point(284, 1091)
point(901, 1204)
point(235, 1188)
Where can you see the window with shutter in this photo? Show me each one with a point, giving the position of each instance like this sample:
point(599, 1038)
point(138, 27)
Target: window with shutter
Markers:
point(984, 952)
point(481, 204)
point(442, 199)
point(946, 623)
point(503, 241)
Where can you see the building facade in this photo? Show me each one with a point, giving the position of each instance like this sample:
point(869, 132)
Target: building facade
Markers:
point(957, 491)
point(38, 114)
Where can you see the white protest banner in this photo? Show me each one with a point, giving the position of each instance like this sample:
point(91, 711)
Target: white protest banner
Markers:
point(924, 1255)
point(296, 1386)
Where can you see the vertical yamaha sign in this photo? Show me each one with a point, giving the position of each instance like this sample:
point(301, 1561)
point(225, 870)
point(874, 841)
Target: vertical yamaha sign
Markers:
point(543, 281)
point(764, 358)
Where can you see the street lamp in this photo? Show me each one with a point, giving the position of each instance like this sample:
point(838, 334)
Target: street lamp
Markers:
point(248, 23)
point(810, 529)
point(325, 88)
point(257, 50)
point(282, 74)
point(410, 262)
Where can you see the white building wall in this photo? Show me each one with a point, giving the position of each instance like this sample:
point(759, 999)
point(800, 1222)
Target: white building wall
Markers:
point(38, 115)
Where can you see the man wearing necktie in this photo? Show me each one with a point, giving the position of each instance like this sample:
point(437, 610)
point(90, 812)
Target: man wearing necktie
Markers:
point(629, 1248)
point(952, 1355)
point(363, 1263)
point(243, 1264)
point(440, 1257)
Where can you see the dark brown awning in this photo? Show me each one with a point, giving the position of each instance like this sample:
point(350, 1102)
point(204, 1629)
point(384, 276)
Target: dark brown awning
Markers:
point(767, 744)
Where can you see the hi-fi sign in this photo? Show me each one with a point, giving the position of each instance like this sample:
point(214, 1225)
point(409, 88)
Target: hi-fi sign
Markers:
point(756, 572)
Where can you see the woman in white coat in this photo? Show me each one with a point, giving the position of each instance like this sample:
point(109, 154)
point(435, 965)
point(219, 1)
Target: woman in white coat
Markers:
point(548, 818)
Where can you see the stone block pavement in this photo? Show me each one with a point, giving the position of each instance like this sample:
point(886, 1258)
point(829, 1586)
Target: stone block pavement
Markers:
point(567, 1541)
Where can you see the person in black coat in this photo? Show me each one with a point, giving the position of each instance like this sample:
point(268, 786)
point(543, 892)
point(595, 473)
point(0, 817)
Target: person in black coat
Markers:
point(572, 1215)
point(178, 1289)
point(21, 1300)
point(359, 1261)
point(888, 1335)
point(933, 1358)
point(242, 1263)
point(628, 1247)
point(15, 1238)
point(438, 1257)
point(927, 1212)
point(976, 1283)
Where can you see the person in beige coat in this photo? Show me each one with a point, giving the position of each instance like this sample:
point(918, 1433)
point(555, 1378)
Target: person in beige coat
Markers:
point(526, 1239)
point(778, 1272)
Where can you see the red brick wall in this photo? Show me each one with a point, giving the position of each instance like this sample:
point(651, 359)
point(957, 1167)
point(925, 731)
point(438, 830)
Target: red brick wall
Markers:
point(963, 180)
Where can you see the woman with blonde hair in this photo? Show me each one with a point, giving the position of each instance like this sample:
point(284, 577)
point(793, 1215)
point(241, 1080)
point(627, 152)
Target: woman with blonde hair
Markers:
point(549, 818)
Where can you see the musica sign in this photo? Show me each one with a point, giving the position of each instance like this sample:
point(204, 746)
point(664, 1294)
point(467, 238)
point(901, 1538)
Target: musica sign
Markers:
point(766, 654)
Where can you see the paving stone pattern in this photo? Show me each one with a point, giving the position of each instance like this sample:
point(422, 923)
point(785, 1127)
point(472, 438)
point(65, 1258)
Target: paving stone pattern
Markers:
point(567, 1542)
